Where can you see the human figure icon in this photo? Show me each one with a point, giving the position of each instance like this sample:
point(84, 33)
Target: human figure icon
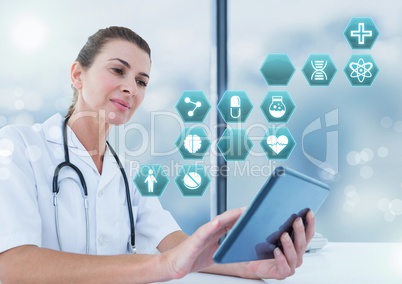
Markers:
point(150, 180)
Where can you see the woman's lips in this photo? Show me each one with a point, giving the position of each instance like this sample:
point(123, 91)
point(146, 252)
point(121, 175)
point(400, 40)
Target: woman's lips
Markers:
point(121, 104)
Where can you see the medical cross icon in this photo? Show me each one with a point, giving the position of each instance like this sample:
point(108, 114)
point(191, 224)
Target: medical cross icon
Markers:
point(361, 33)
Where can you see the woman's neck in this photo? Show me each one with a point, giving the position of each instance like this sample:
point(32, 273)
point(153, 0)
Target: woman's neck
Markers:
point(91, 131)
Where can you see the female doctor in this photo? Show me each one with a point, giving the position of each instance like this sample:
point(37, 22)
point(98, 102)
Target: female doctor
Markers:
point(67, 211)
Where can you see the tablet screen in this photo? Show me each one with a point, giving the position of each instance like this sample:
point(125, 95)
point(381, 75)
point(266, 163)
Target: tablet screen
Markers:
point(286, 195)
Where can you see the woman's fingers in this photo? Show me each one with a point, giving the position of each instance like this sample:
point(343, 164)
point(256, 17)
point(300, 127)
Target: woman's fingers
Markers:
point(290, 252)
point(310, 229)
point(224, 222)
point(303, 235)
point(294, 250)
point(300, 242)
point(282, 265)
point(214, 230)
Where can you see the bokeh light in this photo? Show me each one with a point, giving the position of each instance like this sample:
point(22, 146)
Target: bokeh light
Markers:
point(366, 155)
point(19, 104)
point(382, 152)
point(29, 33)
point(391, 208)
point(395, 207)
point(366, 172)
point(352, 198)
point(6, 147)
point(353, 158)
point(398, 126)
point(386, 122)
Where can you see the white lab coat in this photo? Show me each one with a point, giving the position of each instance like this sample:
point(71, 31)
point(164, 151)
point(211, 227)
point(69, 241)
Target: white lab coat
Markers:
point(28, 158)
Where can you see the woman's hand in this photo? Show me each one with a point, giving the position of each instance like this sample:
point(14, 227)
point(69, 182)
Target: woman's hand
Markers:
point(286, 261)
point(195, 253)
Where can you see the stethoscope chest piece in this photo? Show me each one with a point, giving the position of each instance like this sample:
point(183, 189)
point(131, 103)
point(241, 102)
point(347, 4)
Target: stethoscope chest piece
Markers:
point(131, 248)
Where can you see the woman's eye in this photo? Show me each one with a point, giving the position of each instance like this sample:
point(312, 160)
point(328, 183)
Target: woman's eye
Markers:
point(142, 83)
point(118, 71)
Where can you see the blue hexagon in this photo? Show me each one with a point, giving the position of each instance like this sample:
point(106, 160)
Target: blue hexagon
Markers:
point(235, 106)
point(192, 180)
point(278, 143)
point(277, 69)
point(151, 180)
point(277, 106)
point(319, 70)
point(361, 33)
point(193, 143)
point(234, 144)
point(361, 70)
point(193, 106)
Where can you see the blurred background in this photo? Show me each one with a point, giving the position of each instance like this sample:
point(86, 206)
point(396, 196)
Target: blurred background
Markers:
point(359, 156)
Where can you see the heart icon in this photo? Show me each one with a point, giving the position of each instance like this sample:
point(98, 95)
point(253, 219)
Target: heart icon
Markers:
point(277, 144)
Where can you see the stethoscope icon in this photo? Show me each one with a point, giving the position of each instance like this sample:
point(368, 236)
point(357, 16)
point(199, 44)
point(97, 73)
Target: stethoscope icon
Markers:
point(235, 110)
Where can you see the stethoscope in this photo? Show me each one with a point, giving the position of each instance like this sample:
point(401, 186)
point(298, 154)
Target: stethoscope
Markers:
point(130, 245)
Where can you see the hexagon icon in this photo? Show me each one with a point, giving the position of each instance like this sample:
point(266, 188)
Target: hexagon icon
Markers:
point(277, 106)
point(319, 70)
point(192, 180)
point(193, 143)
point(235, 106)
point(151, 180)
point(278, 143)
point(361, 33)
point(361, 70)
point(193, 106)
point(277, 69)
point(234, 144)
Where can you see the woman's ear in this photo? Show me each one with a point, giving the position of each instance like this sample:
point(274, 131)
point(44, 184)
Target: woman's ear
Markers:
point(75, 75)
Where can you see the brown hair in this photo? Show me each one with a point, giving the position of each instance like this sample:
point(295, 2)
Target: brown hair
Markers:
point(94, 45)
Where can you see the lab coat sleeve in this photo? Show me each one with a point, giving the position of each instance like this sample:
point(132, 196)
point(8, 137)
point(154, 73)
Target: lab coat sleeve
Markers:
point(153, 224)
point(20, 221)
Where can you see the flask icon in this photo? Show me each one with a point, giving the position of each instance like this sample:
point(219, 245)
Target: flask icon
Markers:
point(277, 108)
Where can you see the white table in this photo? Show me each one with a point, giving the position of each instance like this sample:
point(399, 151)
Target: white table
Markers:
point(336, 263)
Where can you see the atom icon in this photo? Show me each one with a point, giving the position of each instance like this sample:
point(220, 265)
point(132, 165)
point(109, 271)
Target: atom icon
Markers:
point(360, 70)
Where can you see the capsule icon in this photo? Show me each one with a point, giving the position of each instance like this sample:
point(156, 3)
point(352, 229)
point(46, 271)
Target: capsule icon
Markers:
point(235, 110)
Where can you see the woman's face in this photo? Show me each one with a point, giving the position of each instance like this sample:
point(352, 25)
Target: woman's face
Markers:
point(114, 85)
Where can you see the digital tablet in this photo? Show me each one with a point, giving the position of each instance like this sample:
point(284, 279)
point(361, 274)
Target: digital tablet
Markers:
point(285, 196)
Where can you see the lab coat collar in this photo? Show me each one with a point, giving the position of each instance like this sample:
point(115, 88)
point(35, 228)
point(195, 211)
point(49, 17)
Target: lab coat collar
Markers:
point(53, 131)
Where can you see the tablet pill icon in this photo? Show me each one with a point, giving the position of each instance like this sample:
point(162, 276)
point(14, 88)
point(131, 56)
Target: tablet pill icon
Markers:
point(192, 180)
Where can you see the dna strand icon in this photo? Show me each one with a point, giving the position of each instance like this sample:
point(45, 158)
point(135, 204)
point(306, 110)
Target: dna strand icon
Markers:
point(319, 74)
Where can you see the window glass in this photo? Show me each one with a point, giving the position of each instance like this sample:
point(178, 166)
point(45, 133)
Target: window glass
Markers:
point(352, 131)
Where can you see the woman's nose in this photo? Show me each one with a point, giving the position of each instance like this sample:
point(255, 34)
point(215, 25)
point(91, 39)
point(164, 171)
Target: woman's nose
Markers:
point(130, 87)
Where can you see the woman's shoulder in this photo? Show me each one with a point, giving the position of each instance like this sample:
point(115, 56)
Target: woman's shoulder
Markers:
point(29, 133)
point(16, 130)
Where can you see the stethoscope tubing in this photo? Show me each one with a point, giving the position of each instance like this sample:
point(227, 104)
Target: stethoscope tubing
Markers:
point(56, 190)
